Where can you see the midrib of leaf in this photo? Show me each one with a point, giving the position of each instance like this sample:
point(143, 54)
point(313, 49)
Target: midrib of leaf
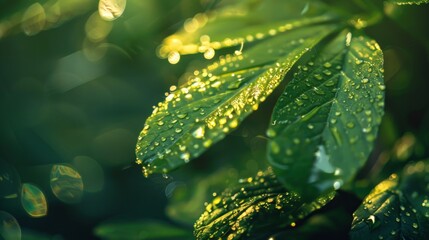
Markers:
point(199, 133)
point(340, 157)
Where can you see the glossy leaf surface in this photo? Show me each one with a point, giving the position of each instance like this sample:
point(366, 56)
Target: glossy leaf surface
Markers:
point(397, 208)
point(409, 2)
point(242, 23)
point(324, 125)
point(216, 99)
point(252, 207)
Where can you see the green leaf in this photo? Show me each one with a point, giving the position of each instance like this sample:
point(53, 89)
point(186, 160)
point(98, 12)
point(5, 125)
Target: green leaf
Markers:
point(216, 99)
point(253, 207)
point(242, 23)
point(324, 125)
point(409, 2)
point(397, 208)
point(140, 230)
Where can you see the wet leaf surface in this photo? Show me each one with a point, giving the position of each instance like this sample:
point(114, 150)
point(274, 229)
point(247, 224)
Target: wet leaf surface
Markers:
point(324, 125)
point(397, 208)
point(216, 99)
point(253, 206)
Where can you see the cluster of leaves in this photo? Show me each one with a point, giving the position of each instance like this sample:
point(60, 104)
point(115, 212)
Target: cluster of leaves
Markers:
point(322, 128)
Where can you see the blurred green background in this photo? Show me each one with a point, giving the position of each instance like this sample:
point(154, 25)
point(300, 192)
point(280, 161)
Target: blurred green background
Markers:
point(76, 90)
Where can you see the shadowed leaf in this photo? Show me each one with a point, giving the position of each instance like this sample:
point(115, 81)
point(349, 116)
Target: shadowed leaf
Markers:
point(253, 207)
point(397, 208)
point(324, 125)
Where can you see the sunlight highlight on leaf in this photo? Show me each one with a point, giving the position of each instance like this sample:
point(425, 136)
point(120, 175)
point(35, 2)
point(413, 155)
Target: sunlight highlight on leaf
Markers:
point(216, 99)
point(33, 200)
point(239, 24)
point(110, 10)
point(255, 208)
point(409, 2)
point(66, 184)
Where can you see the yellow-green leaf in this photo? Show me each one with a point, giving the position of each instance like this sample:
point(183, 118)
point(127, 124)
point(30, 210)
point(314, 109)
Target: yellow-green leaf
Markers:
point(216, 99)
point(240, 24)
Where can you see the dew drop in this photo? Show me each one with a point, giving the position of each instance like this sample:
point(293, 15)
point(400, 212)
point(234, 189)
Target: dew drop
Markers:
point(365, 80)
point(366, 130)
point(318, 77)
point(298, 102)
point(209, 53)
point(199, 132)
point(182, 115)
point(371, 219)
point(271, 133)
point(274, 147)
point(318, 91)
point(337, 184)
point(207, 143)
point(327, 72)
point(173, 57)
point(185, 157)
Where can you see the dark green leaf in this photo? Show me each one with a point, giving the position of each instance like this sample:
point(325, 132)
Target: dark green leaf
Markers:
point(252, 207)
point(140, 230)
point(216, 99)
point(324, 125)
point(397, 208)
point(409, 2)
point(242, 23)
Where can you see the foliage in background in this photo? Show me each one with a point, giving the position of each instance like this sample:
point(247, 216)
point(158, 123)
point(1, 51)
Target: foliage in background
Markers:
point(74, 92)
